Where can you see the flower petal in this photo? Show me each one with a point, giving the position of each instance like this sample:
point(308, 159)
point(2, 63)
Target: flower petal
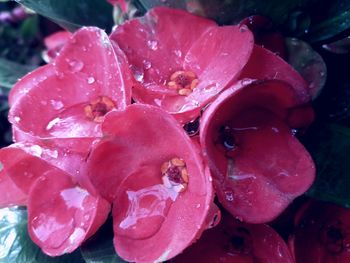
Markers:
point(215, 54)
point(322, 233)
point(234, 241)
point(56, 95)
point(253, 154)
point(10, 194)
point(61, 214)
point(151, 221)
point(263, 64)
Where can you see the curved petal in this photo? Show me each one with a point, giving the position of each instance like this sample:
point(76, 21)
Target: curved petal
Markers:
point(322, 233)
point(152, 221)
point(10, 194)
point(263, 64)
point(237, 242)
point(255, 158)
point(56, 95)
point(215, 54)
point(61, 214)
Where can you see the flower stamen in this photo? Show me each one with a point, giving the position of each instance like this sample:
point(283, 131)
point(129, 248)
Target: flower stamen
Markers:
point(175, 175)
point(183, 82)
point(97, 109)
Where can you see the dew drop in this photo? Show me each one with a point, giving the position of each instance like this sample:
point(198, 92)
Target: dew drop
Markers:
point(17, 119)
point(178, 53)
point(228, 195)
point(57, 105)
point(147, 64)
point(152, 44)
point(90, 80)
point(75, 65)
point(138, 75)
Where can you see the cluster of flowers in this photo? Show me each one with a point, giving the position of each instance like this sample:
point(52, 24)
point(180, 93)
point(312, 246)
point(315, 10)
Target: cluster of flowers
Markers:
point(83, 149)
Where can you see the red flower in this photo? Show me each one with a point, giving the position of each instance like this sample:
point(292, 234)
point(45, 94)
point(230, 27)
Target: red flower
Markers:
point(69, 97)
point(258, 165)
point(322, 234)
point(180, 60)
point(237, 242)
point(154, 175)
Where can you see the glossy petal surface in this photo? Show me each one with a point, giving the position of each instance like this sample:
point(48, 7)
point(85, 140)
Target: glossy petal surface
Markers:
point(56, 95)
point(235, 242)
point(151, 221)
point(61, 215)
point(215, 54)
point(322, 234)
point(258, 166)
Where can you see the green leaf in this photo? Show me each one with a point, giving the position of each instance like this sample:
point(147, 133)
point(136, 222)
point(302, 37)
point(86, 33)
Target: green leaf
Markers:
point(329, 145)
point(100, 249)
point(234, 10)
point(16, 246)
point(10, 72)
point(334, 19)
point(74, 14)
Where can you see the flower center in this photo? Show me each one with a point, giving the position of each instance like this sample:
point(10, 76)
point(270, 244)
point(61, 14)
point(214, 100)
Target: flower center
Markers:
point(334, 236)
point(175, 175)
point(98, 108)
point(183, 82)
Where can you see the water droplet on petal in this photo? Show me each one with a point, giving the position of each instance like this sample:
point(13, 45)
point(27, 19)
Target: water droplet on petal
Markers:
point(57, 105)
point(147, 64)
point(17, 119)
point(138, 75)
point(152, 44)
point(75, 65)
point(228, 195)
point(90, 80)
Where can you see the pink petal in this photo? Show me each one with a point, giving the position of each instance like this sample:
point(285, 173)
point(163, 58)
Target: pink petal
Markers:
point(263, 64)
point(236, 242)
point(215, 54)
point(10, 194)
point(61, 214)
point(57, 94)
point(151, 221)
point(267, 167)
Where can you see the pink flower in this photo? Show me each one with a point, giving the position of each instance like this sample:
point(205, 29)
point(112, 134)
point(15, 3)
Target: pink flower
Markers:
point(234, 241)
point(156, 179)
point(258, 165)
point(69, 97)
point(180, 60)
point(54, 43)
point(322, 233)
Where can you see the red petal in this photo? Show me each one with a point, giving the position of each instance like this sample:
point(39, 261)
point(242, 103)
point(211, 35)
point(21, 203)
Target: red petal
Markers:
point(57, 94)
point(55, 42)
point(10, 194)
point(263, 64)
point(269, 167)
point(322, 234)
point(61, 215)
point(236, 242)
point(215, 54)
point(150, 221)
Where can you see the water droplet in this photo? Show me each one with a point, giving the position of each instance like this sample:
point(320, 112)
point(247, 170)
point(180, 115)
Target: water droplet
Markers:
point(57, 105)
point(90, 80)
point(75, 65)
point(147, 64)
point(17, 119)
point(52, 123)
point(243, 28)
point(152, 44)
point(228, 195)
point(138, 75)
point(178, 53)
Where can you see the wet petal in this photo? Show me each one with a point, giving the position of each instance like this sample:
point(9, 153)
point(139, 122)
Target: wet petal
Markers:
point(10, 194)
point(61, 215)
point(259, 167)
point(233, 241)
point(56, 95)
point(263, 64)
point(152, 220)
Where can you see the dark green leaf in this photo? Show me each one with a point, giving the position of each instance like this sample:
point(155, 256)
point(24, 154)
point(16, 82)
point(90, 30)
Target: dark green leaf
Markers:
point(16, 246)
point(74, 14)
point(100, 248)
point(329, 145)
point(332, 20)
point(234, 10)
point(10, 72)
